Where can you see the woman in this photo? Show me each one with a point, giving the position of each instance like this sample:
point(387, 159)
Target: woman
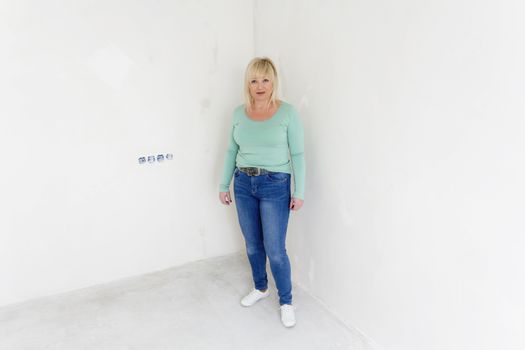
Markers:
point(264, 131)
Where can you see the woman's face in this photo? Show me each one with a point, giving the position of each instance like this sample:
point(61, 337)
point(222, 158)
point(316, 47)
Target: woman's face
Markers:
point(261, 88)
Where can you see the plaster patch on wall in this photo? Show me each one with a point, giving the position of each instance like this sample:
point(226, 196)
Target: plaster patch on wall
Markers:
point(202, 236)
point(311, 271)
point(214, 55)
point(304, 102)
point(345, 215)
point(205, 103)
point(111, 65)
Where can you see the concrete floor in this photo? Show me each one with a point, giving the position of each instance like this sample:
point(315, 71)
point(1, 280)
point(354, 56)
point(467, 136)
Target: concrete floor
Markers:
point(195, 306)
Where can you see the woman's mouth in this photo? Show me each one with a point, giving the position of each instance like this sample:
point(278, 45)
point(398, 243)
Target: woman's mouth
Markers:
point(260, 93)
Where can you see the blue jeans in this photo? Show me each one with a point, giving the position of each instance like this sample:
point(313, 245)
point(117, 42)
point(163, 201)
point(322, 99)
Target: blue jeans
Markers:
point(263, 209)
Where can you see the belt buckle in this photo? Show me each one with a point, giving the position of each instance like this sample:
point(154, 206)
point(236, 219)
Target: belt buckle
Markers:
point(253, 171)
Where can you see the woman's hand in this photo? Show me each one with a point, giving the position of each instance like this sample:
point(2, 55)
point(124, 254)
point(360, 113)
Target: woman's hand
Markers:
point(296, 203)
point(225, 198)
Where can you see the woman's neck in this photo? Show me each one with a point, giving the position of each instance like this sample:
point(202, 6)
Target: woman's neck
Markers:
point(263, 106)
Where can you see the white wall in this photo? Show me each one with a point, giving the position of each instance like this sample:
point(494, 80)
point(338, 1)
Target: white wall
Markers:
point(412, 229)
point(86, 88)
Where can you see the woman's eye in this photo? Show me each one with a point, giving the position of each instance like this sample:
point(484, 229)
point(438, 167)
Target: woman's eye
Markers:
point(266, 80)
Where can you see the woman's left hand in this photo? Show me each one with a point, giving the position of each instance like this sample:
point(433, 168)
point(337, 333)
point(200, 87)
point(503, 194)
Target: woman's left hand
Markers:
point(296, 203)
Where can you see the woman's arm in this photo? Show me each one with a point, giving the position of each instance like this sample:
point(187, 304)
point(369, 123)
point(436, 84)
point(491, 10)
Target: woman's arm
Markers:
point(296, 145)
point(229, 161)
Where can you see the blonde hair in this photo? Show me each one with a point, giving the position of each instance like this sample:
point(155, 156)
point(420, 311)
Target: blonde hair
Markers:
point(260, 66)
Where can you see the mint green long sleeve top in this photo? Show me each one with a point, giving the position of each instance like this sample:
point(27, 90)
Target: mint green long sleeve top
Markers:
point(275, 144)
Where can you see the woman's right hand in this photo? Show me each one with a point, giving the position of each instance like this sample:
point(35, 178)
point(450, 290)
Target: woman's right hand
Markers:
point(225, 198)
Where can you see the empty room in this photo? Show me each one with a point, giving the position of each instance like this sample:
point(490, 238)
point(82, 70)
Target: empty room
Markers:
point(247, 174)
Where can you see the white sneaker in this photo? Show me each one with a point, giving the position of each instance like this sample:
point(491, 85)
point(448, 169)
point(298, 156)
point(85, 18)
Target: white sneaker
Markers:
point(287, 315)
point(253, 297)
